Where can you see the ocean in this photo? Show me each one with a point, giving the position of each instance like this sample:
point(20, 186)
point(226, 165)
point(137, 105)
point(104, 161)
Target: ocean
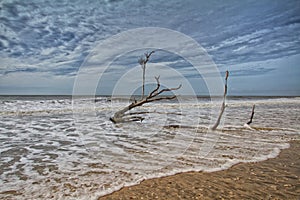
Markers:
point(59, 147)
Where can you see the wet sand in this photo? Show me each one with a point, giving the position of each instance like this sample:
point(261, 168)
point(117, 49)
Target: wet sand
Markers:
point(277, 178)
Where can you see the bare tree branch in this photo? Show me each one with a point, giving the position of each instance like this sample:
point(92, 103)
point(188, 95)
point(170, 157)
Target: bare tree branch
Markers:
point(157, 86)
point(214, 127)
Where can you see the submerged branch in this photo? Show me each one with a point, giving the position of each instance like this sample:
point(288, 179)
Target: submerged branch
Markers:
point(148, 112)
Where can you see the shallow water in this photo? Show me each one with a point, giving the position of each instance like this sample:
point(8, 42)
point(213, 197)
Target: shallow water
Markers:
point(53, 147)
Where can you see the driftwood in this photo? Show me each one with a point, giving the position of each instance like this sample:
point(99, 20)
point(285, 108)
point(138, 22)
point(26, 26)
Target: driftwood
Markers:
point(124, 115)
point(214, 127)
point(252, 114)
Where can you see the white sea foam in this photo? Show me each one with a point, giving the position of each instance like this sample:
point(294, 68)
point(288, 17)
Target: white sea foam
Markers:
point(56, 148)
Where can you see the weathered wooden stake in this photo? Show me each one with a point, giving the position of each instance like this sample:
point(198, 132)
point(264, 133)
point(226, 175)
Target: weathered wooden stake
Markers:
point(214, 127)
point(252, 114)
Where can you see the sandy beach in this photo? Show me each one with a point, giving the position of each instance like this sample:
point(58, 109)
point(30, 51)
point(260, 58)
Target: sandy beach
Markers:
point(276, 178)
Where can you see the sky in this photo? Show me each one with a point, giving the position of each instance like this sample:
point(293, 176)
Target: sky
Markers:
point(44, 43)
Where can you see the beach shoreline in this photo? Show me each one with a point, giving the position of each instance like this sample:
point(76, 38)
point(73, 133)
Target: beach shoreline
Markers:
point(275, 178)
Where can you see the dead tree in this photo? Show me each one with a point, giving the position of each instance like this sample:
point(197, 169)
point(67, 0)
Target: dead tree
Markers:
point(124, 115)
point(143, 62)
point(252, 114)
point(214, 127)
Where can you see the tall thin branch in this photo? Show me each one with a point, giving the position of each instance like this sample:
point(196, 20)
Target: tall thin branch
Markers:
point(143, 62)
point(214, 127)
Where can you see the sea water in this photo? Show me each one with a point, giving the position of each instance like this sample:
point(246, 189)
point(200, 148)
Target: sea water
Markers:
point(59, 147)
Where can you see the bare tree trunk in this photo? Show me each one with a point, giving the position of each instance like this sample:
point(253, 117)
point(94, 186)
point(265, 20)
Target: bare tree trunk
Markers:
point(122, 115)
point(214, 127)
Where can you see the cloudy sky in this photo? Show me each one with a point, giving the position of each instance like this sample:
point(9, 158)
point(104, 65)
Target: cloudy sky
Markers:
point(43, 43)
